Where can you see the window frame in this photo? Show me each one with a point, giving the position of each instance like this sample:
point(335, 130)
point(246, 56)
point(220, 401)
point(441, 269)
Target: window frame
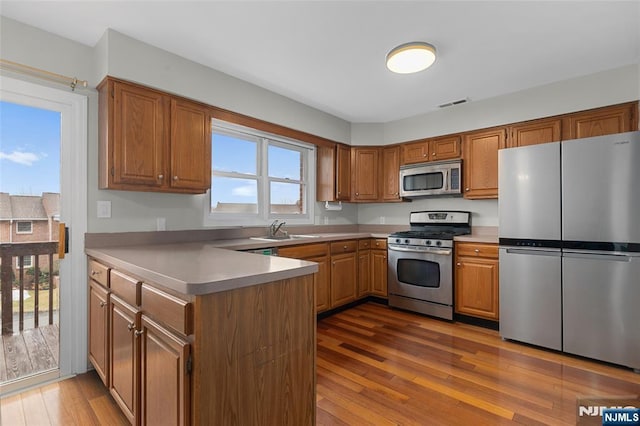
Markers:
point(264, 215)
point(25, 265)
point(18, 231)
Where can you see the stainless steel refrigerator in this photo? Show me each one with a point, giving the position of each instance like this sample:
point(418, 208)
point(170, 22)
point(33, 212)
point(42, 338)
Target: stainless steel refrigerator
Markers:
point(569, 227)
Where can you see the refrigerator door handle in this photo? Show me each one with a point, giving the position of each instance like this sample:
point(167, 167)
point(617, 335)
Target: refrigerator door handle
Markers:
point(609, 256)
point(542, 252)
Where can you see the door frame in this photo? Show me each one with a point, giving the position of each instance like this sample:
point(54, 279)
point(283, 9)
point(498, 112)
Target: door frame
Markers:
point(73, 210)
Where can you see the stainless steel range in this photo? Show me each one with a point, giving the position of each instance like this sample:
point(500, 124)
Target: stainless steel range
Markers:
point(420, 276)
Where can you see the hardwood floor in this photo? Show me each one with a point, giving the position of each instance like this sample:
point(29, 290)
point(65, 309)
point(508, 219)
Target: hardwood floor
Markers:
point(381, 366)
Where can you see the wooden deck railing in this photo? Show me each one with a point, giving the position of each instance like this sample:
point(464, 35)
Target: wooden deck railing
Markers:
point(8, 253)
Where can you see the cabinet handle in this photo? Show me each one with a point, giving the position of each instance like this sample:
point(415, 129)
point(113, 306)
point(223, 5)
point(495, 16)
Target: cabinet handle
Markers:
point(458, 264)
point(138, 332)
point(345, 247)
point(477, 250)
point(433, 153)
point(424, 155)
point(103, 304)
point(175, 178)
point(160, 177)
point(357, 194)
point(384, 257)
point(95, 273)
point(131, 326)
point(466, 189)
point(333, 263)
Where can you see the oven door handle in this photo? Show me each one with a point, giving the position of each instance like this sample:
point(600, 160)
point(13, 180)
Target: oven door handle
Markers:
point(446, 252)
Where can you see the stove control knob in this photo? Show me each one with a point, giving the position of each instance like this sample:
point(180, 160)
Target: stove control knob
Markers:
point(407, 241)
point(438, 243)
point(398, 240)
point(428, 242)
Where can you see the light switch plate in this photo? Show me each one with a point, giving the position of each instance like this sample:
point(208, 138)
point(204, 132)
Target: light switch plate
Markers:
point(104, 209)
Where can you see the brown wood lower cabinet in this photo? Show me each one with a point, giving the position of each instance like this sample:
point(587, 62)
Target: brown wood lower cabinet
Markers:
point(98, 329)
point(379, 272)
point(364, 273)
point(234, 357)
point(164, 380)
point(318, 253)
point(476, 280)
point(124, 359)
point(344, 272)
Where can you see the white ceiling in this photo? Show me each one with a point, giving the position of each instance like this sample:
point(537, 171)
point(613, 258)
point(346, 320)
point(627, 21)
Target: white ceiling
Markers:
point(330, 55)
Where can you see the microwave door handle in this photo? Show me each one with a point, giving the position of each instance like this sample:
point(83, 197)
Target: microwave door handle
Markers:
point(446, 180)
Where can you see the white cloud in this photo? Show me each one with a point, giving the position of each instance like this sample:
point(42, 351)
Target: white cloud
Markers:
point(25, 158)
point(244, 191)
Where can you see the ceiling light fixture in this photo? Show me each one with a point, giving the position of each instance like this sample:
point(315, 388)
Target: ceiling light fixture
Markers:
point(411, 57)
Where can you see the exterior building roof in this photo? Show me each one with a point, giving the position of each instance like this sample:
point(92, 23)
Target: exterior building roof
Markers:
point(29, 207)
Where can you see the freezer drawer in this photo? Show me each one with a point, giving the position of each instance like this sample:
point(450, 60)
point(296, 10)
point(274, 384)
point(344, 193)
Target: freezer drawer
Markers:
point(601, 301)
point(531, 296)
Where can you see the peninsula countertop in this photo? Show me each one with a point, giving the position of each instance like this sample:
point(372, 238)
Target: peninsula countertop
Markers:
point(198, 268)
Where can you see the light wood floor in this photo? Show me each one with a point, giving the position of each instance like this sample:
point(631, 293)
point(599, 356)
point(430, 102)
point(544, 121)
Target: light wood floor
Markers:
point(387, 367)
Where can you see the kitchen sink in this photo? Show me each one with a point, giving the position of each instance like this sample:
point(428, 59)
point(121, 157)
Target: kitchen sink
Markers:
point(284, 237)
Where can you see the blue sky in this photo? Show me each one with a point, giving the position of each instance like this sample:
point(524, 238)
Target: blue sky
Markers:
point(29, 150)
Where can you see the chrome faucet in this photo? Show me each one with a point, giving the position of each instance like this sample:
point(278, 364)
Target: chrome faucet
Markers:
point(275, 227)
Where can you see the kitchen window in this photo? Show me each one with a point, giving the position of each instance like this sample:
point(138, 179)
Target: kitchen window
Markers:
point(258, 177)
point(24, 227)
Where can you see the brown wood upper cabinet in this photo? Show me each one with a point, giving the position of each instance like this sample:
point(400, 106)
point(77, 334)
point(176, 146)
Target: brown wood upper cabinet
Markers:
point(480, 162)
point(333, 180)
point(152, 141)
point(364, 171)
point(389, 178)
point(601, 121)
point(534, 132)
point(442, 148)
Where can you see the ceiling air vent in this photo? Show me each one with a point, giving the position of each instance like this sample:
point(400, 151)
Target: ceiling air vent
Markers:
point(458, 102)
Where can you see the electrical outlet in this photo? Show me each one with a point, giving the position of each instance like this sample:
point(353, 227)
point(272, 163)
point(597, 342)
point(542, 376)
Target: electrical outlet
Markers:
point(382, 220)
point(161, 224)
point(326, 220)
point(104, 209)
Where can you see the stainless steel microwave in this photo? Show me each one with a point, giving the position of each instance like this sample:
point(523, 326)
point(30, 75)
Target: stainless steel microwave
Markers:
point(434, 178)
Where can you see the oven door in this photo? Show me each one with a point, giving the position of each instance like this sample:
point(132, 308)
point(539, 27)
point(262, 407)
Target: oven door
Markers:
point(422, 273)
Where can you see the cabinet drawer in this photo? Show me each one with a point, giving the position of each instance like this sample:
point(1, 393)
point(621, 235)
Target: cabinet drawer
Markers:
point(304, 251)
point(344, 246)
point(379, 244)
point(167, 309)
point(477, 250)
point(99, 272)
point(125, 287)
point(364, 244)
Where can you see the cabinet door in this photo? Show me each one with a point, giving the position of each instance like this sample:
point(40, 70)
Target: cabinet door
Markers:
point(415, 152)
point(535, 132)
point(481, 163)
point(477, 287)
point(379, 272)
point(124, 358)
point(165, 376)
point(343, 173)
point(364, 168)
point(98, 331)
point(601, 121)
point(321, 283)
point(326, 173)
point(190, 146)
point(445, 148)
point(343, 278)
point(364, 273)
point(390, 174)
point(139, 135)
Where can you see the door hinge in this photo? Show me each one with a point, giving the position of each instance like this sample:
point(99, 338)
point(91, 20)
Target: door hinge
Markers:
point(113, 171)
point(112, 95)
point(189, 364)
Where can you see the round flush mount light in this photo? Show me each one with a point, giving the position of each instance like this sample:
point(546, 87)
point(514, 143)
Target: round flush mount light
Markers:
point(411, 57)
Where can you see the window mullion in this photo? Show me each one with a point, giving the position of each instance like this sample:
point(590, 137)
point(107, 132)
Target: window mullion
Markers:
point(264, 179)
